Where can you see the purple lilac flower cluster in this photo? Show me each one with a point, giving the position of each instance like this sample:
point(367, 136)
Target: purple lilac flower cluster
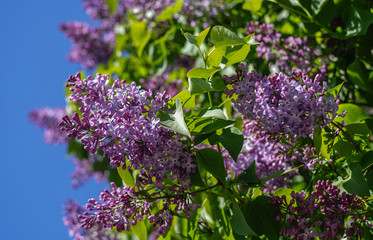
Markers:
point(289, 53)
point(49, 119)
point(192, 11)
point(203, 11)
point(325, 214)
point(148, 9)
point(293, 106)
point(160, 84)
point(72, 211)
point(84, 171)
point(117, 208)
point(92, 45)
point(270, 155)
point(120, 120)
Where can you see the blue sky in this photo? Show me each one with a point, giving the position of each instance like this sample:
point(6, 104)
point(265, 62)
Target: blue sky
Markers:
point(34, 176)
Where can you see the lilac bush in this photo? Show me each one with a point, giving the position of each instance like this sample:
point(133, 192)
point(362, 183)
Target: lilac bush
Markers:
point(183, 162)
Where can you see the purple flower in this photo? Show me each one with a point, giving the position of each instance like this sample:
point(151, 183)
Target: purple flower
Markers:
point(120, 120)
point(72, 211)
point(84, 171)
point(49, 119)
point(91, 45)
point(204, 11)
point(294, 106)
point(124, 207)
point(148, 9)
point(97, 9)
point(288, 53)
point(160, 83)
point(270, 155)
point(322, 214)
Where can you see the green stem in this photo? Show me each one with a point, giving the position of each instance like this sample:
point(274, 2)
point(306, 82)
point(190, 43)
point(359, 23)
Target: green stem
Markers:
point(178, 195)
point(226, 100)
point(210, 98)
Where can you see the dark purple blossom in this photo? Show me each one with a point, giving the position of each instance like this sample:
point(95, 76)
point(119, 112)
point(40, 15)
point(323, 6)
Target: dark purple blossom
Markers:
point(120, 120)
point(49, 119)
point(326, 214)
point(91, 45)
point(119, 208)
point(288, 53)
point(293, 106)
point(72, 211)
point(270, 155)
point(123, 207)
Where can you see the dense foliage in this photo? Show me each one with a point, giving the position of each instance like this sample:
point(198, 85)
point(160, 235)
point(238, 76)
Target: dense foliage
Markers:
point(235, 119)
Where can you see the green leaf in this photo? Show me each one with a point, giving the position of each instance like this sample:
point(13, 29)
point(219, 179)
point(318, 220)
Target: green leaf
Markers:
point(313, 6)
point(322, 142)
point(231, 139)
point(170, 11)
point(215, 56)
point(197, 85)
point(140, 230)
point(217, 83)
point(213, 162)
point(357, 20)
point(112, 4)
point(355, 183)
point(369, 177)
point(252, 5)
point(196, 40)
point(366, 160)
point(140, 35)
point(126, 176)
point(354, 135)
point(212, 126)
point(174, 122)
point(354, 113)
point(193, 223)
point(238, 221)
point(199, 72)
point(77, 149)
point(285, 192)
point(334, 91)
point(259, 215)
point(195, 179)
point(221, 36)
point(238, 55)
point(248, 176)
point(213, 112)
point(277, 174)
point(359, 76)
point(188, 101)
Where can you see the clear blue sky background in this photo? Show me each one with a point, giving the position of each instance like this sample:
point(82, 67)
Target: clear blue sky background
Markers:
point(34, 176)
